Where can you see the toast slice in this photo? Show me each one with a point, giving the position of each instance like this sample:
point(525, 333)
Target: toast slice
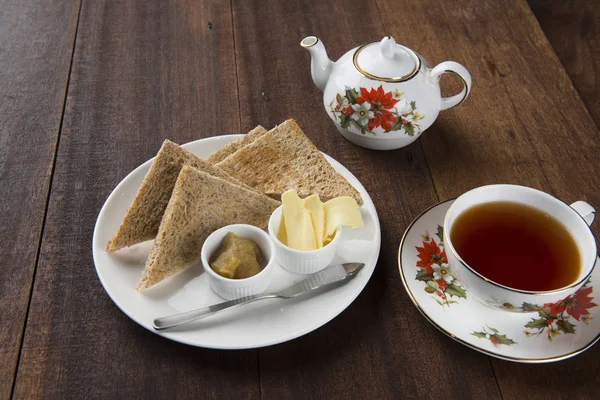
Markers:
point(231, 148)
point(284, 158)
point(199, 205)
point(143, 217)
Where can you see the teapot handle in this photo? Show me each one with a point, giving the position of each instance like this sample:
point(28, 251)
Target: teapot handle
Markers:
point(452, 67)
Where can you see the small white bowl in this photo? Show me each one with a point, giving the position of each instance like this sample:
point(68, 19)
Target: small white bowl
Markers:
point(231, 289)
point(301, 261)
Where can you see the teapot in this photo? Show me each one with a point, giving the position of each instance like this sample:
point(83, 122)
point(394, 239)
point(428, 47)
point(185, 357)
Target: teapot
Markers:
point(382, 95)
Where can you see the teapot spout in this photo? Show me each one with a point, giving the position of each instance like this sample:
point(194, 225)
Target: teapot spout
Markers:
point(320, 66)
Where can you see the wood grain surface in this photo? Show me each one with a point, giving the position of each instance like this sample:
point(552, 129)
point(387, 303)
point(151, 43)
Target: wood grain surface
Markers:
point(144, 71)
point(573, 29)
point(36, 43)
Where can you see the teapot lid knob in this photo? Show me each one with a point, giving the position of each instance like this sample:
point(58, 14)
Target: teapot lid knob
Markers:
point(389, 49)
point(387, 60)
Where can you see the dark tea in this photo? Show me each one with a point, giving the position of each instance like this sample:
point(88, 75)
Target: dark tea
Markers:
point(517, 246)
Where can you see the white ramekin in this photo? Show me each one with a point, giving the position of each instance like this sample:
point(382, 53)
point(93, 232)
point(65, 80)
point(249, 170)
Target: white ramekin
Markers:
point(231, 289)
point(299, 261)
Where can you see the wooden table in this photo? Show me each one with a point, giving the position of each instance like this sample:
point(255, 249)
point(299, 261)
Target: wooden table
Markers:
point(90, 89)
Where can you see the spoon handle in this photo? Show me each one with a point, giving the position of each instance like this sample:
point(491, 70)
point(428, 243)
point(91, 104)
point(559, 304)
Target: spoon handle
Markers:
point(183, 318)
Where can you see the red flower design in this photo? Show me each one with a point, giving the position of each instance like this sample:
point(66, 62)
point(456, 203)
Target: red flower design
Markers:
point(424, 258)
point(494, 340)
point(429, 254)
point(441, 284)
point(348, 111)
point(575, 305)
point(384, 118)
point(377, 98)
point(555, 308)
point(581, 302)
point(380, 103)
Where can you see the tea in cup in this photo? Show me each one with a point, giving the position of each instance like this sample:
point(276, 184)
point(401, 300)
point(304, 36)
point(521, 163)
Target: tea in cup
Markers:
point(517, 248)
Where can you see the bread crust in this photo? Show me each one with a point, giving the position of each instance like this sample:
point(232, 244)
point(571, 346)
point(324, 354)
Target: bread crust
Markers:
point(231, 148)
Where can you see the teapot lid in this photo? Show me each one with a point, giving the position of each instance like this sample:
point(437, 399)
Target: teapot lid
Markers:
point(387, 61)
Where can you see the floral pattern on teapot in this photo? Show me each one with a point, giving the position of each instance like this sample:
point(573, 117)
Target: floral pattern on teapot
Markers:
point(375, 111)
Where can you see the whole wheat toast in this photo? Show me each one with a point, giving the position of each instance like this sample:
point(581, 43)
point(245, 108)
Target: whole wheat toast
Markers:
point(231, 148)
point(284, 158)
point(143, 217)
point(199, 205)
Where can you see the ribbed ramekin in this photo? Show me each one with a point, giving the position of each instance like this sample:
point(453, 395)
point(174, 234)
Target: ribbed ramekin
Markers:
point(299, 261)
point(235, 288)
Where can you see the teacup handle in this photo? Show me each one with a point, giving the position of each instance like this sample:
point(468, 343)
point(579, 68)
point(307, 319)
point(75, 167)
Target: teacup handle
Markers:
point(455, 68)
point(586, 211)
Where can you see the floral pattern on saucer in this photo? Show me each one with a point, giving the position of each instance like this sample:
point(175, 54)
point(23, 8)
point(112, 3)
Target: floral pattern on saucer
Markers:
point(494, 336)
point(433, 269)
point(367, 110)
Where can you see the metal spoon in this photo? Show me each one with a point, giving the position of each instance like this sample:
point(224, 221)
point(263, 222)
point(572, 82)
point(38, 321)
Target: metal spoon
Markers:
point(334, 274)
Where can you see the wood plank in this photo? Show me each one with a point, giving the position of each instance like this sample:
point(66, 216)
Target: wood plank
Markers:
point(573, 30)
point(380, 346)
point(515, 128)
point(36, 43)
point(143, 71)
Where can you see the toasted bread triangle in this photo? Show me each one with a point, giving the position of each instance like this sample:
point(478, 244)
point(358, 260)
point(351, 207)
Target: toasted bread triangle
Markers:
point(199, 205)
point(143, 217)
point(231, 148)
point(284, 158)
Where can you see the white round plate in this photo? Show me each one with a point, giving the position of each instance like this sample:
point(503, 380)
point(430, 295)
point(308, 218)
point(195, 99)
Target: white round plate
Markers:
point(554, 332)
point(259, 324)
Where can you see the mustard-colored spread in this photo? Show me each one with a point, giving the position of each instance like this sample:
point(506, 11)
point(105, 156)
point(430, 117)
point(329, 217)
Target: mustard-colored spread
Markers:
point(236, 258)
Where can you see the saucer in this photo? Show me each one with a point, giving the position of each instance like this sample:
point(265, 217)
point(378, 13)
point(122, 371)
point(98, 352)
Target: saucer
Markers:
point(552, 333)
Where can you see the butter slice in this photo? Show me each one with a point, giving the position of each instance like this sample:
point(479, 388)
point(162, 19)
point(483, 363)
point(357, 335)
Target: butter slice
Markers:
point(317, 212)
point(298, 223)
point(282, 234)
point(341, 211)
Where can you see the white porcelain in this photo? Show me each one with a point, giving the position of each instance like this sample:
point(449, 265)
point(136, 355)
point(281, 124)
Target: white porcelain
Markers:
point(382, 95)
point(503, 297)
point(298, 261)
point(554, 332)
point(255, 325)
point(231, 289)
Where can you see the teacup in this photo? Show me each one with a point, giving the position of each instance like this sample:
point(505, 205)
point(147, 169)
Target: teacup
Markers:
point(576, 218)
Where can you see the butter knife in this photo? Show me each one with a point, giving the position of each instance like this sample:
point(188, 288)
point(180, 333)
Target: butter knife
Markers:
point(334, 275)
